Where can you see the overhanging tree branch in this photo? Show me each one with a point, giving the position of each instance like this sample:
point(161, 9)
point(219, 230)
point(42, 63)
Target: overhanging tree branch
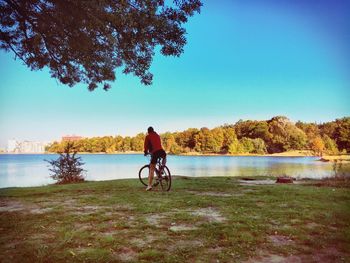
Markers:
point(85, 41)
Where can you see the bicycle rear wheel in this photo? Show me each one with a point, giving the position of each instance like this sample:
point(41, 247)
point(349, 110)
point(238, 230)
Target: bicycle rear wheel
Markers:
point(143, 174)
point(165, 181)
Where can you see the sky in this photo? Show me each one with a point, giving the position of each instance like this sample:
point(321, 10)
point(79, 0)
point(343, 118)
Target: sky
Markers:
point(243, 60)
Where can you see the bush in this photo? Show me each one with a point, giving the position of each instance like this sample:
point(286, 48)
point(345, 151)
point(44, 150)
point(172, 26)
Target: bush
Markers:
point(67, 168)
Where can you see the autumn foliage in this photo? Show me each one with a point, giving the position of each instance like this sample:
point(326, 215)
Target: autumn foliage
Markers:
point(276, 135)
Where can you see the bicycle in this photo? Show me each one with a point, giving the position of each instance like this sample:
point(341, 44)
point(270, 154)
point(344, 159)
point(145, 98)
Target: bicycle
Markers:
point(162, 175)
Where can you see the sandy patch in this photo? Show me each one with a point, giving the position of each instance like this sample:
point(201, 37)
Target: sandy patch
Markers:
point(42, 236)
point(280, 240)
point(40, 210)
point(144, 241)
point(181, 227)
point(209, 214)
point(125, 254)
point(272, 258)
point(216, 194)
point(11, 206)
point(83, 227)
point(183, 244)
point(325, 255)
point(91, 209)
point(154, 219)
point(312, 225)
point(16, 206)
point(257, 182)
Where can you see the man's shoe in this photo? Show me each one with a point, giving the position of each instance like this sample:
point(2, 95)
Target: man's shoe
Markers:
point(149, 188)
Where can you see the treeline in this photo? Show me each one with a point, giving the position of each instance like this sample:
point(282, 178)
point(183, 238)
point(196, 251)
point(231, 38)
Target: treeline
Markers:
point(276, 135)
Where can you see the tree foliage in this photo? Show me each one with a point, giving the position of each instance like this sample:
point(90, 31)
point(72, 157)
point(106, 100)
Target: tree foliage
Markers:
point(85, 41)
point(317, 146)
point(67, 168)
point(278, 134)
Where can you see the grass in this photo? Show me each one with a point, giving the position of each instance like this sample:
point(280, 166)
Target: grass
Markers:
point(199, 220)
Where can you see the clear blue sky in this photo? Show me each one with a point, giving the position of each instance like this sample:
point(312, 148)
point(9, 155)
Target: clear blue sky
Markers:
point(243, 60)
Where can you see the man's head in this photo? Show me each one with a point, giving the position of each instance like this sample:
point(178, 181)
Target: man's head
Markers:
point(150, 129)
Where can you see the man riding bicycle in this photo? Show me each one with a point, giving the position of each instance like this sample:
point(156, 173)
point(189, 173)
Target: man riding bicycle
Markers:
point(153, 145)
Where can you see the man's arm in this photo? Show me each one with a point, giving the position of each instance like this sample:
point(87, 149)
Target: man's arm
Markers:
point(145, 151)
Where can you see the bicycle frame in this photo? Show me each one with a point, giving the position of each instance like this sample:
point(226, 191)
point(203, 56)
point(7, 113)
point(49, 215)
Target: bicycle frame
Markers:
point(162, 174)
point(161, 162)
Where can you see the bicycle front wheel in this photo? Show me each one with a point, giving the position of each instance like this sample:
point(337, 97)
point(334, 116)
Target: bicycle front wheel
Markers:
point(165, 181)
point(143, 174)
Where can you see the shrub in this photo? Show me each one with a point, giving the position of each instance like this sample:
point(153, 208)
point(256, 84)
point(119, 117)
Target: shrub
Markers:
point(67, 168)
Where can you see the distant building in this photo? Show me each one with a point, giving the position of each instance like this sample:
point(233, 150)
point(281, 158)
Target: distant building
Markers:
point(32, 147)
point(14, 146)
point(71, 138)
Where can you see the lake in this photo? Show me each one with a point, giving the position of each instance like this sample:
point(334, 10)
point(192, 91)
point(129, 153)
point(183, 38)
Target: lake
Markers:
point(32, 170)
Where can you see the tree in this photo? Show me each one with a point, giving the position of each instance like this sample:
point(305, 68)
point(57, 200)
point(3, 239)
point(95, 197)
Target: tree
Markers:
point(67, 168)
point(126, 146)
point(229, 137)
point(259, 146)
point(137, 142)
point(169, 143)
point(235, 147)
point(85, 41)
point(330, 145)
point(168, 140)
point(118, 140)
point(317, 146)
point(218, 139)
point(208, 141)
point(342, 134)
point(247, 145)
point(186, 139)
point(285, 135)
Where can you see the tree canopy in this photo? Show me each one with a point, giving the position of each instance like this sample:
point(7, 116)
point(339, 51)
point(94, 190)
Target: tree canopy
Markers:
point(85, 41)
point(278, 134)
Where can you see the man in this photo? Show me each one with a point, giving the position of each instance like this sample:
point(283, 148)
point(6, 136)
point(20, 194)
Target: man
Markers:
point(153, 146)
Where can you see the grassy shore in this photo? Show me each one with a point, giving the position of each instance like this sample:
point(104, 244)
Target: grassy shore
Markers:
point(332, 158)
point(199, 220)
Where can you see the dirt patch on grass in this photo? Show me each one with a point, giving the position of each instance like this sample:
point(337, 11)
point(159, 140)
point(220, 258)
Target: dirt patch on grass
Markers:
point(84, 210)
point(40, 210)
point(279, 240)
point(182, 244)
point(325, 255)
point(182, 227)
point(155, 219)
point(42, 236)
point(215, 194)
point(209, 214)
point(313, 225)
point(12, 206)
point(144, 241)
point(125, 254)
point(257, 182)
point(91, 209)
point(83, 227)
point(16, 206)
point(269, 258)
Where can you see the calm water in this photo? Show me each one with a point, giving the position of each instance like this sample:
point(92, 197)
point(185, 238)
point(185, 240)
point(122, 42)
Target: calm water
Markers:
point(32, 170)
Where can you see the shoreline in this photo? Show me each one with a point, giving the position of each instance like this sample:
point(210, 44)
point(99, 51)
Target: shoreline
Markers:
point(324, 158)
point(184, 177)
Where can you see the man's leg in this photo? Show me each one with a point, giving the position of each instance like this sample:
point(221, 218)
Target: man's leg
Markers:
point(151, 174)
point(164, 161)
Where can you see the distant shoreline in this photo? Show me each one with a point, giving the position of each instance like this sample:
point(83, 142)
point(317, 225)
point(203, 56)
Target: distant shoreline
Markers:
point(325, 158)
